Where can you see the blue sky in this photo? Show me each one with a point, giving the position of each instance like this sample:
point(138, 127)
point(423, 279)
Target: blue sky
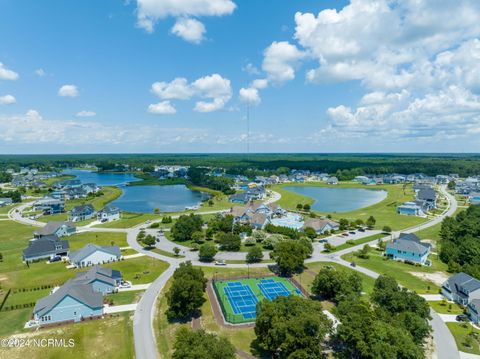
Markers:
point(176, 76)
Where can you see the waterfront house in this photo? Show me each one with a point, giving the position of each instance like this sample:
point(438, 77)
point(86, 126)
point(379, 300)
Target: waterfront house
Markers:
point(46, 247)
point(408, 248)
point(5, 202)
point(49, 205)
point(108, 214)
point(103, 280)
point(57, 228)
point(321, 225)
point(93, 254)
point(242, 197)
point(72, 302)
point(82, 213)
point(410, 209)
point(462, 288)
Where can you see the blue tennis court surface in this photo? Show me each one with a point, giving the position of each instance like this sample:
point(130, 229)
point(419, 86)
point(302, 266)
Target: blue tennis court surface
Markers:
point(272, 289)
point(242, 299)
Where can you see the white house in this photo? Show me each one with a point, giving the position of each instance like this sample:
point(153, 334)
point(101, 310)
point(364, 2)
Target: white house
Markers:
point(108, 214)
point(93, 254)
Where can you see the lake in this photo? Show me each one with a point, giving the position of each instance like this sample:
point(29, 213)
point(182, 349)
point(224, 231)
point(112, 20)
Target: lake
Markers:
point(170, 198)
point(102, 178)
point(329, 199)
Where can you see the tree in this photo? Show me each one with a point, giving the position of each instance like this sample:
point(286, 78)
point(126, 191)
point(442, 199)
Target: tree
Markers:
point(221, 223)
point(176, 250)
point(229, 242)
point(451, 185)
point(259, 236)
point(289, 255)
point(1, 257)
point(186, 295)
point(254, 255)
point(198, 237)
point(343, 224)
point(327, 247)
point(185, 226)
point(156, 210)
point(207, 252)
point(310, 232)
point(299, 206)
point(363, 253)
point(334, 285)
point(290, 327)
point(306, 207)
point(307, 244)
point(167, 219)
point(386, 229)
point(198, 344)
point(148, 241)
point(381, 245)
point(272, 240)
point(370, 222)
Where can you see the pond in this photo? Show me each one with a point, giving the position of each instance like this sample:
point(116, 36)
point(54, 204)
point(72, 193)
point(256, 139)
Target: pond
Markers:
point(171, 198)
point(329, 199)
point(102, 178)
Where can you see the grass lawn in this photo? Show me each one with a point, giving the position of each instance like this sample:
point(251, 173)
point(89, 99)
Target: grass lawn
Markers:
point(111, 337)
point(308, 275)
point(128, 297)
point(166, 253)
point(446, 307)
point(385, 212)
point(400, 271)
point(6, 209)
point(18, 297)
point(460, 332)
point(358, 241)
point(13, 321)
point(79, 240)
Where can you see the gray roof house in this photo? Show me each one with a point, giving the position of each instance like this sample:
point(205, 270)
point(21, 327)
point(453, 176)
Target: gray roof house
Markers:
point(72, 302)
point(108, 213)
point(320, 225)
point(93, 254)
point(461, 288)
point(104, 280)
point(408, 248)
point(5, 202)
point(58, 228)
point(45, 247)
point(82, 213)
point(428, 195)
point(473, 310)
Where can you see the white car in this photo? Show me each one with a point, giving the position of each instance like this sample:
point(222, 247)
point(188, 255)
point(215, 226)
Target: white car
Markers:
point(125, 285)
point(220, 263)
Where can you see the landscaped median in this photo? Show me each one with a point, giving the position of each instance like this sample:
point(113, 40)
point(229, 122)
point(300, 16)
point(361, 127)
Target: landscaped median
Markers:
point(356, 242)
point(466, 336)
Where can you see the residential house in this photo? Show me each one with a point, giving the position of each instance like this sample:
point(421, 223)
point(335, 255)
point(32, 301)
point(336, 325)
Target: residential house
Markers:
point(82, 213)
point(103, 280)
point(45, 247)
point(59, 194)
point(473, 310)
point(242, 197)
point(410, 209)
point(332, 180)
point(258, 220)
point(461, 288)
point(108, 214)
point(49, 205)
point(408, 248)
point(429, 196)
point(57, 228)
point(474, 198)
point(72, 302)
point(5, 202)
point(321, 225)
point(93, 254)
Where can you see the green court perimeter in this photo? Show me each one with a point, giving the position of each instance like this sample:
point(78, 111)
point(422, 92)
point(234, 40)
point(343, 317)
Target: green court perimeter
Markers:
point(238, 297)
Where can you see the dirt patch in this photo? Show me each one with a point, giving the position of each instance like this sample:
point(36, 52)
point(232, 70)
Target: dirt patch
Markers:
point(437, 278)
point(3, 278)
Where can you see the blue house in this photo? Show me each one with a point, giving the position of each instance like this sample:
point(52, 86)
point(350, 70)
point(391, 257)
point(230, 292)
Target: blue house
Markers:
point(72, 302)
point(102, 280)
point(57, 228)
point(410, 209)
point(408, 248)
point(82, 213)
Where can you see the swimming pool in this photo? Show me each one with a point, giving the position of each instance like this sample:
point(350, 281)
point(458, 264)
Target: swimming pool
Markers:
point(290, 220)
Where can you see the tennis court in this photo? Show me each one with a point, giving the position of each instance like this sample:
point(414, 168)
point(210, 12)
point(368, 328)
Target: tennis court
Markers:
point(238, 298)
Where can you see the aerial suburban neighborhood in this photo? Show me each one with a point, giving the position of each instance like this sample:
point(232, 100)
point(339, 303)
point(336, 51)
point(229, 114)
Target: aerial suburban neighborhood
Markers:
point(227, 179)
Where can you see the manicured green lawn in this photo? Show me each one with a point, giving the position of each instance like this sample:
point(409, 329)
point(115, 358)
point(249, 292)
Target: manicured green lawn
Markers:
point(79, 240)
point(6, 209)
point(358, 241)
point(461, 333)
point(111, 337)
point(167, 254)
point(18, 297)
point(13, 321)
point(129, 297)
point(311, 269)
point(385, 212)
point(400, 271)
point(446, 307)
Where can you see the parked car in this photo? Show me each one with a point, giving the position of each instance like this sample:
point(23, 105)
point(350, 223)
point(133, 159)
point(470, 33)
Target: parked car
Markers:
point(352, 232)
point(220, 263)
point(361, 229)
point(353, 264)
point(125, 284)
point(462, 318)
point(345, 234)
point(55, 259)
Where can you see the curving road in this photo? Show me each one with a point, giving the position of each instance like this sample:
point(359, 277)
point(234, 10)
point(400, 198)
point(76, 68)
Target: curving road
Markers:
point(143, 330)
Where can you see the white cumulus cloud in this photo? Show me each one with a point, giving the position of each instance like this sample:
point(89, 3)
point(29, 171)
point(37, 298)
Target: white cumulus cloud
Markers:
point(249, 95)
point(7, 74)
point(68, 91)
point(7, 100)
point(280, 60)
point(190, 30)
point(162, 108)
